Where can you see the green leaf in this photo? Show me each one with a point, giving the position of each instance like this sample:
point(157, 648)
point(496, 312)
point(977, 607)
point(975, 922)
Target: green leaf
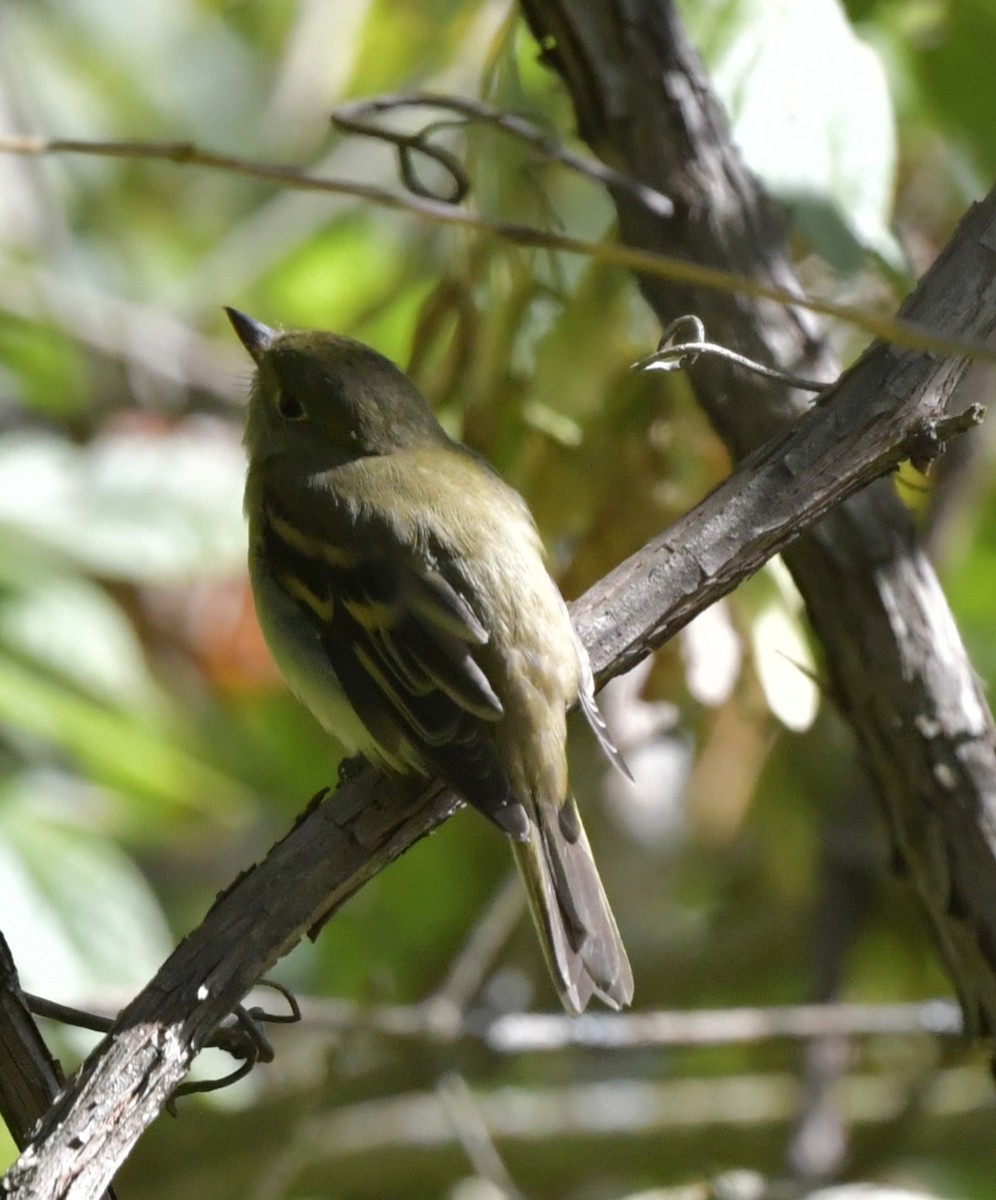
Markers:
point(71, 627)
point(163, 507)
point(115, 749)
point(78, 914)
point(956, 72)
point(812, 113)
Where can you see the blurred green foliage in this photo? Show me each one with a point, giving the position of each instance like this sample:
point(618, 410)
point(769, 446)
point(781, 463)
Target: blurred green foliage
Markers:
point(148, 751)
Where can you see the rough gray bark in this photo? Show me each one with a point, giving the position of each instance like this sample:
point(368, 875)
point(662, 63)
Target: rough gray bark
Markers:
point(882, 409)
point(896, 664)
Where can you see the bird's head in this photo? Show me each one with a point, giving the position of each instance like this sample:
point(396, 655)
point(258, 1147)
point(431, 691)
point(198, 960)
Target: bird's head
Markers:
point(328, 399)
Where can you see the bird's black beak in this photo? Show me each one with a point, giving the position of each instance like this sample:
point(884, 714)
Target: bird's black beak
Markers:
point(254, 335)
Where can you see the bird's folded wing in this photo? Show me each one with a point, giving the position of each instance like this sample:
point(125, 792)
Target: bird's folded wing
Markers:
point(402, 640)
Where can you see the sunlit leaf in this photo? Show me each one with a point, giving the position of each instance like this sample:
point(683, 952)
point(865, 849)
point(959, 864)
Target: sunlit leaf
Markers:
point(161, 507)
point(812, 114)
point(72, 627)
point(784, 667)
point(79, 917)
point(782, 655)
point(119, 750)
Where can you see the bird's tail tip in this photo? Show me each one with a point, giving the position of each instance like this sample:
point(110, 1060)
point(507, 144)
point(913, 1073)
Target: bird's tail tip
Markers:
point(578, 932)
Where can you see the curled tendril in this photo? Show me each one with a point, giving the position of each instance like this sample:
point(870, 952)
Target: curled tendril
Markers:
point(674, 355)
point(245, 1040)
point(361, 117)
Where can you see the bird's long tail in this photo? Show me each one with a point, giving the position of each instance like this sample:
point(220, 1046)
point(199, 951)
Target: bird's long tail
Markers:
point(578, 932)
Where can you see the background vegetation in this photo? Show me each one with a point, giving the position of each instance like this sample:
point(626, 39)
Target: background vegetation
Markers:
point(148, 751)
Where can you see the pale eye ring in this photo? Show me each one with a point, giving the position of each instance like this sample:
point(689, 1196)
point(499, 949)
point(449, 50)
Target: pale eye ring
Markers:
point(289, 407)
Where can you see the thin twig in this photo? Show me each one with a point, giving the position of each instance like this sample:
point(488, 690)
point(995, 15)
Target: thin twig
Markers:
point(630, 1108)
point(889, 329)
point(471, 1129)
point(679, 356)
point(519, 1033)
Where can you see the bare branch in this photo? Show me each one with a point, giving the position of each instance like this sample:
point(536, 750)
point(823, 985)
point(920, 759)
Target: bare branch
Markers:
point(524, 1033)
point(888, 406)
point(655, 264)
point(629, 1107)
point(530, 1033)
point(471, 1128)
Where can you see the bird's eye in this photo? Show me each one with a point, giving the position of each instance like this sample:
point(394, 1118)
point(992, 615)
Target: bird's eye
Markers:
point(290, 408)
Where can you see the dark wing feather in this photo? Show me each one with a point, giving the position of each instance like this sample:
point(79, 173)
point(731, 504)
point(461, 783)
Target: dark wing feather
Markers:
point(402, 642)
point(593, 714)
